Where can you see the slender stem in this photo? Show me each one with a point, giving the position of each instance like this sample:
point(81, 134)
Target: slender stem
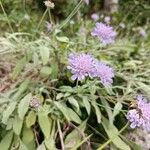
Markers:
point(9, 24)
point(60, 135)
point(50, 16)
point(42, 18)
point(71, 15)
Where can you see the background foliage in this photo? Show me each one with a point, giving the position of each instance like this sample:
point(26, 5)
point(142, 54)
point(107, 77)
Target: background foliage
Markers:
point(33, 66)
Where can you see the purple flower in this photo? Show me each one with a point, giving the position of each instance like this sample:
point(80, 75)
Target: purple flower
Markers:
point(104, 32)
point(81, 65)
point(140, 116)
point(95, 16)
point(104, 72)
point(107, 19)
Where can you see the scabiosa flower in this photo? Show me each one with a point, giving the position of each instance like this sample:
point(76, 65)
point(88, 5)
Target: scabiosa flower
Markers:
point(140, 116)
point(81, 65)
point(104, 32)
point(95, 17)
point(104, 72)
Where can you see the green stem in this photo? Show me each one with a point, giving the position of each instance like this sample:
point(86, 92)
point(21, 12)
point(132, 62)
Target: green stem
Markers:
point(71, 15)
point(6, 17)
point(42, 18)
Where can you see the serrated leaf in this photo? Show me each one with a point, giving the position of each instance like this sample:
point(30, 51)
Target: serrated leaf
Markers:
point(9, 110)
point(6, 141)
point(17, 125)
point(44, 123)
point(24, 106)
point(45, 53)
point(30, 119)
point(87, 104)
point(97, 111)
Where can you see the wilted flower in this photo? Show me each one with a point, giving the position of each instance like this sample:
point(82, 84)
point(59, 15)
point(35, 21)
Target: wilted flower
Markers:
point(104, 32)
point(122, 25)
point(104, 72)
point(48, 26)
point(143, 33)
point(95, 17)
point(107, 19)
point(140, 116)
point(81, 65)
point(87, 1)
point(35, 102)
point(49, 4)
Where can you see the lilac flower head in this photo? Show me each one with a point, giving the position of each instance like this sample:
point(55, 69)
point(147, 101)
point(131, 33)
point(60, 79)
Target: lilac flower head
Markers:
point(104, 72)
point(35, 102)
point(81, 65)
point(140, 116)
point(104, 32)
point(95, 17)
point(107, 19)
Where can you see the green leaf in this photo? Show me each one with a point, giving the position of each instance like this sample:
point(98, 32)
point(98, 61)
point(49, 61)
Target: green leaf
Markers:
point(35, 59)
point(73, 116)
point(22, 146)
point(24, 106)
point(21, 63)
point(63, 39)
point(45, 71)
point(6, 141)
point(75, 137)
point(97, 111)
point(50, 144)
point(113, 134)
point(9, 110)
point(28, 138)
point(117, 109)
point(17, 125)
point(54, 71)
point(41, 147)
point(44, 123)
point(63, 109)
point(22, 88)
point(73, 102)
point(108, 110)
point(4, 100)
point(30, 119)
point(86, 104)
point(45, 53)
